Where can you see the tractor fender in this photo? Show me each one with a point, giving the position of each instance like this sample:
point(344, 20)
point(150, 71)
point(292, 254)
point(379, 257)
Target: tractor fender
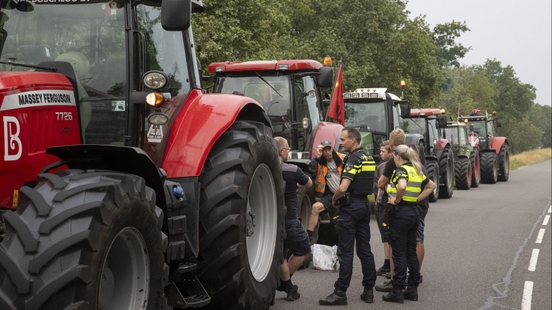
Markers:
point(110, 157)
point(498, 142)
point(199, 124)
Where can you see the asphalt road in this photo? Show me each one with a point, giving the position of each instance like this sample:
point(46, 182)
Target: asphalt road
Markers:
point(486, 248)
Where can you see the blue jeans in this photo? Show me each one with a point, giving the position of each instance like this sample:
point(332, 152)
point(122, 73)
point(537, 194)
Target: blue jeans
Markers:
point(404, 226)
point(354, 223)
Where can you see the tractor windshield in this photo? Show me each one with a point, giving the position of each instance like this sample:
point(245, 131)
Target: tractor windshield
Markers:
point(456, 135)
point(93, 37)
point(371, 115)
point(287, 103)
point(415, 125)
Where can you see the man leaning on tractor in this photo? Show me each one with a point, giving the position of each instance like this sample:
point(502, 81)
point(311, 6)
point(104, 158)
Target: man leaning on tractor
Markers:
point(326, 169)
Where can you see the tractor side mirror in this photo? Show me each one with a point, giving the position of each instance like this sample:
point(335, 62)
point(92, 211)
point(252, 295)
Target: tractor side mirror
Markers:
point(405, 109)
point(325, 79)
point(442, 121)
point(326, 103)
point(498, 123)
point(176, 15)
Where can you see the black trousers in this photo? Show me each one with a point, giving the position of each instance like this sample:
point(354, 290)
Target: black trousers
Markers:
point(354, 223)
point(404, 225)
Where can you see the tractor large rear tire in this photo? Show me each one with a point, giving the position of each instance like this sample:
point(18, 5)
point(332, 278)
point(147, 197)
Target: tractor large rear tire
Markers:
point(446, 169)
point(463, 173)
point(84, 240)
point(503, 164)
point(432, 168)
point(241, 219)
point(489, 167)
point(476, 170)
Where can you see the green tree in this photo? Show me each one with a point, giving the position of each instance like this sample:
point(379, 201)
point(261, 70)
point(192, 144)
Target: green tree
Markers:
point(448, 50)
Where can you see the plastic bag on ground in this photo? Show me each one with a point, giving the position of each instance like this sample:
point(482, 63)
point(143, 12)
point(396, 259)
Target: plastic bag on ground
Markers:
point(324, 257)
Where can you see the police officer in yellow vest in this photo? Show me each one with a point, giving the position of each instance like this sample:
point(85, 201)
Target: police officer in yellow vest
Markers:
point(405, 192)
point(326, 169)
point(354, 219)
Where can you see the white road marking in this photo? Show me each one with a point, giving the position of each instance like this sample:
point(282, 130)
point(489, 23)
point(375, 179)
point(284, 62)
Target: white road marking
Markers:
point(540, 235)
point(550, 209)
point(534, 259)
point(527, 295)
point(546, 219)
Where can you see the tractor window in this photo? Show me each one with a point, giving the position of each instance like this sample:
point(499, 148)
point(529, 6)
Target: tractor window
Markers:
point(462, 135)
point(306, 107)
point(363, 114)
point(164, 50)
point(452, 134)
point(273, 94)
point(91, 38)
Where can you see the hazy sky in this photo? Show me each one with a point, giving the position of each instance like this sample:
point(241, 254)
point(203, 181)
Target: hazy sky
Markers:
point(514, 32)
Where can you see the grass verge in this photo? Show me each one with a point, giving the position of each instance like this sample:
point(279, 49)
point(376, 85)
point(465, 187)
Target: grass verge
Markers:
point(529, 158)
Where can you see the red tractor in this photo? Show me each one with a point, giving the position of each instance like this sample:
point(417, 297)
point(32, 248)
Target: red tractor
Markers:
point(423, 129)
point(123, 185)
point(292, 93)
point(494, 153)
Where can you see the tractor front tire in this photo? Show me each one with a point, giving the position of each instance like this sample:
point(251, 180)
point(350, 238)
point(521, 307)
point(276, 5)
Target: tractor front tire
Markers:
point(432, 168)
point(84, 240)
point(503, 164)
point(241, 219)
point(476, 170)
point(489, 167)
point(446, 169)
point(463, 173)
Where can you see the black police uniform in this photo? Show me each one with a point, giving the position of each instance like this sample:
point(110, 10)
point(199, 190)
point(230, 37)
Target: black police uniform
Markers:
point(354, 220)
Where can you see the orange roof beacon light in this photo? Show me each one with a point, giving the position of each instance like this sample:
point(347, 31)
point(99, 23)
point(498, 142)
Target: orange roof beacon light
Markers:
point(403, 84)
point(327, 61)
point(494, 112)
point(443, 111)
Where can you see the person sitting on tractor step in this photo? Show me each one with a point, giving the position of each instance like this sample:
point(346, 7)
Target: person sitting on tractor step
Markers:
point(354, 219)
point(297, 240)
point(326, 169)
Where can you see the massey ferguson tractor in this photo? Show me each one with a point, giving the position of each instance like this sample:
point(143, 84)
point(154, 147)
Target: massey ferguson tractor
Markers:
point(494, 154)
point(375, 113)
point(292, 93)
point(466, 156)
point(123, 185)
point(439, 160)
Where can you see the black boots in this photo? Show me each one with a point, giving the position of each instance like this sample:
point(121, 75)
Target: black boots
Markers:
point(411, 293)
point(337, 298)
point(367, 295)
point(293, 294)
point(396, 295)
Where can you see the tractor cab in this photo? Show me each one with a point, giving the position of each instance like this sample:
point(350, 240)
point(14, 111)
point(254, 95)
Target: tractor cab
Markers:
point(375, 114)
point(291, 92)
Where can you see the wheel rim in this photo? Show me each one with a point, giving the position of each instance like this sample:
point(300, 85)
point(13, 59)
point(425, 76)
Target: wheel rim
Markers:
point(262, 208)
point(124, 282)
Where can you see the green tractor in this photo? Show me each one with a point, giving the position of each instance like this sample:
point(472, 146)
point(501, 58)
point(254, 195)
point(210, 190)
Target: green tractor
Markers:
point(466, 156)
point(375, 113)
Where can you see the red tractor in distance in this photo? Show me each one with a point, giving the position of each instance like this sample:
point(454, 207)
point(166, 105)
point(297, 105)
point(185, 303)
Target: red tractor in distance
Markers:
point(123, 185)
point(292, 93)
point(424, 125)
point(494, 153)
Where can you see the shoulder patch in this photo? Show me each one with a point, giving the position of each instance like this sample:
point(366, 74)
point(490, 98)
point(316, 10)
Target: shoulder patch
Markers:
point(348, 166)
point(399, 173)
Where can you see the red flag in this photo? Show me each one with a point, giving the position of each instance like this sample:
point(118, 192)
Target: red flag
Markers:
point(336, 111)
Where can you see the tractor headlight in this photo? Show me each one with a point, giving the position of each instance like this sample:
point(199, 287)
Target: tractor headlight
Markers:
point(155, 80)
point(158, 118)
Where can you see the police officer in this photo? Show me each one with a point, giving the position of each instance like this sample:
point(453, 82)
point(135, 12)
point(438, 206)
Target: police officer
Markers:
point(405, 193)
point(354, 220)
